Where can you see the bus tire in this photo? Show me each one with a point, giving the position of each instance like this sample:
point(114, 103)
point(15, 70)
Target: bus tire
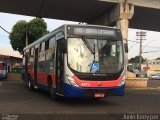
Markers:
point(52, 92)
point(30, 85)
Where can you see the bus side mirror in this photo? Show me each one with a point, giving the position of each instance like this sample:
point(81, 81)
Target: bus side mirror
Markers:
point(126, 47)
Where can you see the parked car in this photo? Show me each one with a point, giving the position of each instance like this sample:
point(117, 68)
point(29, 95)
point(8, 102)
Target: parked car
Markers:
point(154, 77)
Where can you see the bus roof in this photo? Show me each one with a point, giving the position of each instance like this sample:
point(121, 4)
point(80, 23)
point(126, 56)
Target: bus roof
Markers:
point(62, 28)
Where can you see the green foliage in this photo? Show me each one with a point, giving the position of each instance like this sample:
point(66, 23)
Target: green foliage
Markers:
point(17, 36)
point(135, 60)
point(35, 29)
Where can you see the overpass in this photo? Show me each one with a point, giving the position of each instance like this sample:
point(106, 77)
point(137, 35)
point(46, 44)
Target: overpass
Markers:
point(139, 14)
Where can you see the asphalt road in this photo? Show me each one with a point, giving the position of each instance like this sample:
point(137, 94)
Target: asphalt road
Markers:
point(16, 99)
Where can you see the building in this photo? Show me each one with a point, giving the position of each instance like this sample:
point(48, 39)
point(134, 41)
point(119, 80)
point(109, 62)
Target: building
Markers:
point(152, 67)
point(13, 58)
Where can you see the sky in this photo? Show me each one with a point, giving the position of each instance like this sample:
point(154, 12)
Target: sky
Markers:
point(150, 45)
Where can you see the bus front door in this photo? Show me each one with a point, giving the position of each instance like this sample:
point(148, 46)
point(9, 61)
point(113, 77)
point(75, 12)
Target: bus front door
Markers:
point(59, 67)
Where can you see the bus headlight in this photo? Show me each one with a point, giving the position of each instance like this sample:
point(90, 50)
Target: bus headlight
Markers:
point(122, 81)
point(71, 81)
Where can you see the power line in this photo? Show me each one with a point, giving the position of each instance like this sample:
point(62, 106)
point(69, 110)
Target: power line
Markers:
point(4, 30)
point(133, 41)
point(151, 51)
point(133, 45)
point(148, 44)
point(153, 46)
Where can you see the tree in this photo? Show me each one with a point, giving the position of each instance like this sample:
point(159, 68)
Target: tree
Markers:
point(35, 29)
point(136, 60)
point(17, 36)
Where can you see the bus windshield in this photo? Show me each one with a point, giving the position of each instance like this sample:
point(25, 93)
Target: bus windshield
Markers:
point(89, 55)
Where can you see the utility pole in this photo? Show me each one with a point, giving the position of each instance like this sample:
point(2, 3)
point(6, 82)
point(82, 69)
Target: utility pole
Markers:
point(140, 36)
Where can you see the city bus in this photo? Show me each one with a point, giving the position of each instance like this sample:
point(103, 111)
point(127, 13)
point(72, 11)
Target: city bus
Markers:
point(3, 70)
point(77, 61)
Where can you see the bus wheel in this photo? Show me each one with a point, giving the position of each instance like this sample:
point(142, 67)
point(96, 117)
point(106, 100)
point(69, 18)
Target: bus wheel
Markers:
point(30, 86)
point(52, 92)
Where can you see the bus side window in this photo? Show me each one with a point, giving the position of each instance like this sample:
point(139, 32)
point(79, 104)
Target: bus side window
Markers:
point(29, 54)
point(42, 46)
point(47, 45)
point(52, 43)
point(50, 49)
point(31, 57)
point(42, 52)
point(26, 59)
point(32, 51)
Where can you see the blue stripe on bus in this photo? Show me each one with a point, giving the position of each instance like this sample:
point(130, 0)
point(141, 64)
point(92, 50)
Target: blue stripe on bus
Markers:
point(119, 91)
point(71, 91)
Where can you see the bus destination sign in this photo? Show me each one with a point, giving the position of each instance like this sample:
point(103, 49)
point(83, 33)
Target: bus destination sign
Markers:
point(91, 31)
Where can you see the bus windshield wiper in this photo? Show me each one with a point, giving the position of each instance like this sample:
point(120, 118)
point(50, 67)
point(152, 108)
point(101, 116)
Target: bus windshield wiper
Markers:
point(92, 50)
point(87, 44)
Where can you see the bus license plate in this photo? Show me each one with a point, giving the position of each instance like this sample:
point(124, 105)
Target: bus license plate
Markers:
point(99, 95)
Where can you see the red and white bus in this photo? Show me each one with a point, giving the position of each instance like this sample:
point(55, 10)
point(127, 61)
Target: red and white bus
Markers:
point(77, 61)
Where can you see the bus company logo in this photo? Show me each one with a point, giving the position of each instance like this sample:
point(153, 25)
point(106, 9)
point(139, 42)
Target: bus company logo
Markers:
point(99, 83)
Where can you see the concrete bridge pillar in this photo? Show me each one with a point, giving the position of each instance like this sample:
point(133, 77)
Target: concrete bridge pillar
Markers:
point(126, 12)
point(118, 16)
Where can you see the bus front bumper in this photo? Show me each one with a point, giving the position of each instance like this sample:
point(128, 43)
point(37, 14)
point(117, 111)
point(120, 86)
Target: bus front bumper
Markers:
point(72, 91)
